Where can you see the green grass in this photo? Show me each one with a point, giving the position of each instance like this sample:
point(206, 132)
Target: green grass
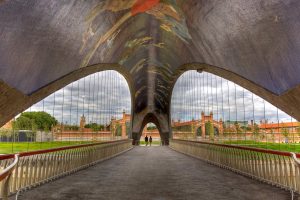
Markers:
point(290, 147)
point(153, 143)
point(17, 147)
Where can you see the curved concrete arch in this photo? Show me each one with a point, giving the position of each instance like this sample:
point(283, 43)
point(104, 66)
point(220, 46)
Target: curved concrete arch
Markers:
point(162, 127)
point(288, 101)
point(25, 101)
point(44, 41)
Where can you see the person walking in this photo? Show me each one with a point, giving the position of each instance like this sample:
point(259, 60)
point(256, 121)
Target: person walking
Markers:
point(150, 140)
point(146, 140)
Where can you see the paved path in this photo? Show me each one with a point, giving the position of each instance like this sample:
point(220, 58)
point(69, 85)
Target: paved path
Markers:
point(155, 173)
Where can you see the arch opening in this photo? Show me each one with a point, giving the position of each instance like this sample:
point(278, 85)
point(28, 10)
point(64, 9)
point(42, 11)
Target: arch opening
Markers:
point(285, 101)
point(150, 133)
point(207, 107)
point(94, 108)
point(19, 102)
point(153, 120)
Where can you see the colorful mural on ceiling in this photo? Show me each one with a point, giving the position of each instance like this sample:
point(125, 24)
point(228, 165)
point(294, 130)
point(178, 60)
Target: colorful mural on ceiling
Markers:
point(166, 11)
point(132, 46)
point(2, 1)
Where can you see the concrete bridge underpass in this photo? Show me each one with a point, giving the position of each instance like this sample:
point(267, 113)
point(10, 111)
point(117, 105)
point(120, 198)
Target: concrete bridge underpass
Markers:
point(47, 45)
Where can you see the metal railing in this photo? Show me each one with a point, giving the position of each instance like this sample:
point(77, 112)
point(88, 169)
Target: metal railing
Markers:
point(31, 169)
point(5, 177)
point(278, 168)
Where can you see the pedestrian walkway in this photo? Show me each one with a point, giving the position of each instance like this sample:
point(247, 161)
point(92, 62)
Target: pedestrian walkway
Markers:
point(155, 173)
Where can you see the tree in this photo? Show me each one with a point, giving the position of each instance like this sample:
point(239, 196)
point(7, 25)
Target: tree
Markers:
point(151, 127)
point(71, 127)
point(199, 131)
point(5, 133)
point(35, 121)
point(209, 129)
point(94, 126)
point(118, 130)
point(23, 123)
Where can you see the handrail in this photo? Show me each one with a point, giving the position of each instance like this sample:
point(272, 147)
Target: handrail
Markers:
point(38, 167)
point(294, 156)
point(275, 167)
point(30, 153)
point(5, 177)
point(7, 171)
point(281, 153)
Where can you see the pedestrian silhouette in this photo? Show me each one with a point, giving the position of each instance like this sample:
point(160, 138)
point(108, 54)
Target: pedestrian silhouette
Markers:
point(146, 140)
point(150, 140)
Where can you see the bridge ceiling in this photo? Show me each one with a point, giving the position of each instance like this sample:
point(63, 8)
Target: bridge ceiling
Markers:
point(44, 40)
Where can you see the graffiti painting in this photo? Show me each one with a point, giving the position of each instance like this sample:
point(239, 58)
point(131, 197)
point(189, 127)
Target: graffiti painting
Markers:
point(166, 11)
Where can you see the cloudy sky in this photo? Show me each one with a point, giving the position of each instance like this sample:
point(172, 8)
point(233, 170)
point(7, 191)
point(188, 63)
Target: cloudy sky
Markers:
point(98, 97)
point(105, 94)
point(195, 92)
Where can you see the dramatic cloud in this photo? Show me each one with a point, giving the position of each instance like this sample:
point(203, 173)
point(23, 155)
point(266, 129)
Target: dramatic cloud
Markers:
point(98, 97)
point(196, 92)
point(106, 94)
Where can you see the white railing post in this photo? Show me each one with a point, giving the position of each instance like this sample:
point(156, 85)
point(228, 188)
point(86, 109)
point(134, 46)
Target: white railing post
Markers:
point(5, 178)
point(42, 166)
point(274, 167)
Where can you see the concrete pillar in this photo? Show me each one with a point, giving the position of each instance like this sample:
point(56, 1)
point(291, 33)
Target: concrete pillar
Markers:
point(135, 138)
point(164, 138)
point(161, 121)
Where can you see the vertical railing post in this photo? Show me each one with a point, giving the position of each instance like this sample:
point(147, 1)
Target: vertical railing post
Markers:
point(45, 165)
point(274, 167)
point(296, 171)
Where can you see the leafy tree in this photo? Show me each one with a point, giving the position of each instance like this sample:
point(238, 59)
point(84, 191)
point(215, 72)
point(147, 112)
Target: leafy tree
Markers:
point(209, 129)
point(151, 127)
point(95, 126)
point(118, 130)
point(23, 123)
point(5, 133)
point(35, 121)
point(245, 128)
point(71, 127)
point(199, 131)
